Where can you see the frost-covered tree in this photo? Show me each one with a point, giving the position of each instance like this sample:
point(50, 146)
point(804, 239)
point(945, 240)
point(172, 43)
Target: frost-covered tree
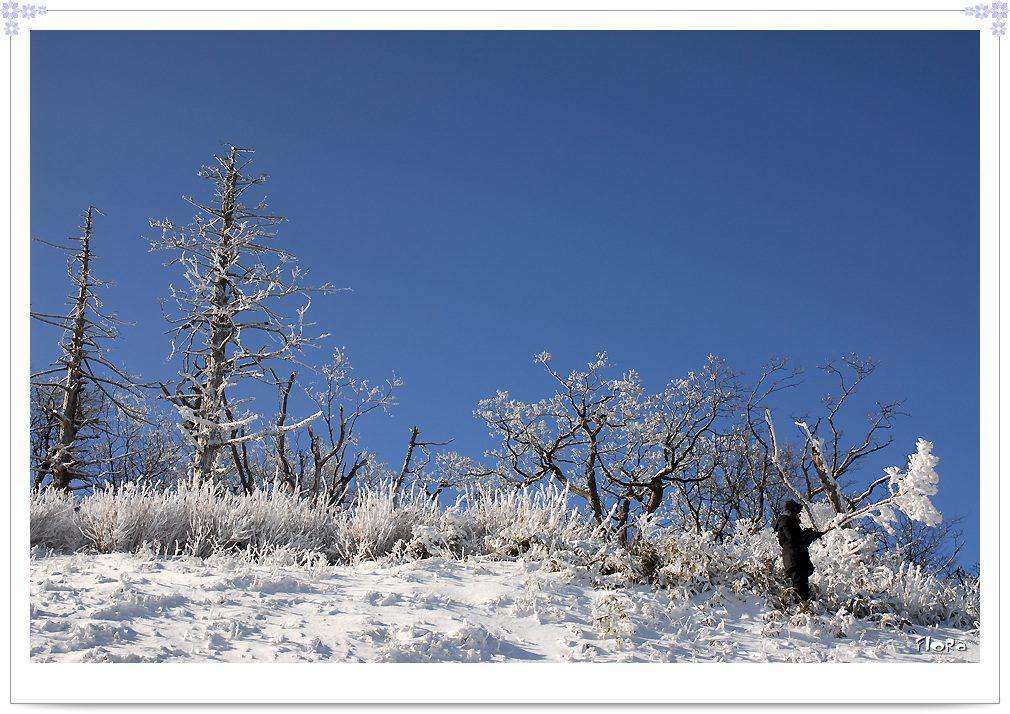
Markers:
point(564, 437)
point(685, 457)
point(678, 440)
point(227, 328)
point(908, 491)
point(824, 460)
point(70, 392)
point(607, 441)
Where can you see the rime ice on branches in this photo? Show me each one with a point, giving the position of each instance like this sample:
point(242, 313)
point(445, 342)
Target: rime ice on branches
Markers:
point(227, 328)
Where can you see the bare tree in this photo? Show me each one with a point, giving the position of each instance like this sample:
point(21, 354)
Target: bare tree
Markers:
point(334, 459)
point(935, 549)
point(771, 458)
point(416, 468)
point(827, 457)
point(45, 402)
point(804, 496)
point(461, 473)
point(148, 451)
point(227, 329)
point(825, 460)
point(86, 376)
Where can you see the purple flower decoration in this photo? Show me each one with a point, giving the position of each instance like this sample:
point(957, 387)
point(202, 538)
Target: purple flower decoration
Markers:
point(981, 11)
point(969, 11)
point(11, 11)
point(999, 10)
point(998, 28)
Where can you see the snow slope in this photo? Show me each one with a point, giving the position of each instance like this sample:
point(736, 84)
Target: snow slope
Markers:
point(146, 608)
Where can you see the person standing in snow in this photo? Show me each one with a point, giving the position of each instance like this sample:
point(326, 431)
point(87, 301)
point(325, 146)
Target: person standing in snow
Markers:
point(795, 541)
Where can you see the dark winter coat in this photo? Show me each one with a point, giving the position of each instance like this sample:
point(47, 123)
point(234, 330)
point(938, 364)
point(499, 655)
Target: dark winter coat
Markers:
point(795, 541)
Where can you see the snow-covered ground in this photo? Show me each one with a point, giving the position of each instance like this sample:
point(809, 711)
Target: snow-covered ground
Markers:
point(142, 607)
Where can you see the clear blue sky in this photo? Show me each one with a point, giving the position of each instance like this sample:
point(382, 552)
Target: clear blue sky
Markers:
point(487, 196)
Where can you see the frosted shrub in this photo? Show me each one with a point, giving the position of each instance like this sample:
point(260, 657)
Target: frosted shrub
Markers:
point(816, 625)
point(846, 574)
point(850, 575)
point(197, 521)
point(754, 555)
point(260, 521)
point(204, 520)
point(454, 535)
point(169, 521)
point(116, 520)
point(690, 560)
point(53, 523)
point(532, 523)
point(374, 527)
point(695, 562)
point(540, 520)
point(611, 615)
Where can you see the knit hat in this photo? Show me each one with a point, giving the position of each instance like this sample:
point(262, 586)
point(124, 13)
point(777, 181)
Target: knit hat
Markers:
point(792, 508)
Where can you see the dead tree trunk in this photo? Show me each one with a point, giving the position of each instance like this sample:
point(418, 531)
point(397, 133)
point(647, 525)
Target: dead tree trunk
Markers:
point(398, 484)
point(782, 474)
point(70, 416)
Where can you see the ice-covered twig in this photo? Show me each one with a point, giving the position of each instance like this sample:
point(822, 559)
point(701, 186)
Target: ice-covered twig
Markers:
point(825, 474)
point(910, 491)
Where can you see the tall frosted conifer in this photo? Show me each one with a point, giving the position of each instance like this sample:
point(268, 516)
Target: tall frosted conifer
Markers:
point(226, 329)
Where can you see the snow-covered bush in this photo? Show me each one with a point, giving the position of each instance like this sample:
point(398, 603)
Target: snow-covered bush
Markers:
point(116, 520)
point(374, 527)
point(453, 535)
point(849, 574)
point(696, 562)
point(52, 521)
point(535, 521)
point(612, 610)
point(530, 523)
point(197, 521)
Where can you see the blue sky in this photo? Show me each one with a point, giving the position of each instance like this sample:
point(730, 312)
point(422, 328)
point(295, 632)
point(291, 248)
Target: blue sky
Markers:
point(487, 196)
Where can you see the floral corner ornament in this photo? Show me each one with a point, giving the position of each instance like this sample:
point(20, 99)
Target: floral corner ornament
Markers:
point(12, 11)
point(997, 11)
